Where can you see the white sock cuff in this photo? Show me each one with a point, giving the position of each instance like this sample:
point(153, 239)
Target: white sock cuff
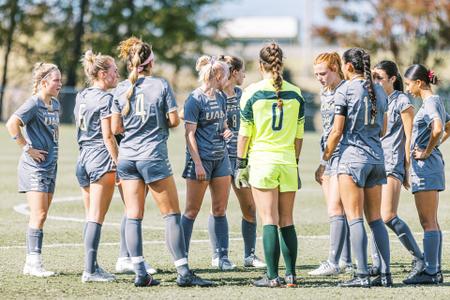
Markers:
point(137, 259)
point(181, 262)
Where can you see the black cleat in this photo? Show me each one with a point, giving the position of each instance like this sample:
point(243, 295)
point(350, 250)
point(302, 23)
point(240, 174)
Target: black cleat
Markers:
point(290, 281)
point(440, 276)
point(359, 280)
point(385, 279)
point(193, 280)
point(147, 280)
point(374, 271)
point(422, 278)
point(266, 282)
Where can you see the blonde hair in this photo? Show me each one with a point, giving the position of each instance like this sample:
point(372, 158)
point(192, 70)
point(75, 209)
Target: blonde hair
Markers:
point(332, 59)
point(93, 63)
point(208, 67)
point(271, 58)
point(134, 51)
point(41, 71)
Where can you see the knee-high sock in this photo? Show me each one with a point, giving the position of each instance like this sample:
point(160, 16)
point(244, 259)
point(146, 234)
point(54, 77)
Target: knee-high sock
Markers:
point(175, 242)
point(249, 235)
point(358, 238)
point(401, 229)
point(288, 242)
point(381, 238)
point(346, 253)
point(271, 245)
point(134, 242)
point(431, 251)
point(91, 242)
point(440, 251)
point(34, 240)
point(337, 238)
point(188, 225)
point(213, 239)
point(123, 242)
point(221, 231)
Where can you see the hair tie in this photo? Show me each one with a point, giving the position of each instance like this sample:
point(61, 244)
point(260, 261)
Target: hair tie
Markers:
point(146, 62)
point(431, 74)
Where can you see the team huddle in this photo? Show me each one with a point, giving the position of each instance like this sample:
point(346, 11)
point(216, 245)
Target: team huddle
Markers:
point(250, 140)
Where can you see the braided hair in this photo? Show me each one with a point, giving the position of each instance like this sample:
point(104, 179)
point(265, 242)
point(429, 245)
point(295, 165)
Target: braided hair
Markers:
point(271, 59)
point(360, 61)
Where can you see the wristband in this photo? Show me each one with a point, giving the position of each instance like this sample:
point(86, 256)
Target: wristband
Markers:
point(241, 162)
point(323, 162)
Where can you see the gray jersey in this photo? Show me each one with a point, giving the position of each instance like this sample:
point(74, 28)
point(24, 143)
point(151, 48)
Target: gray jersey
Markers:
point(233, 120)
point(146, 127)
point(92, 105)
point(327, 113)
point(41, 131)
point(431, 109)
point(394, 139)
point(209, 115)
point(361, 139)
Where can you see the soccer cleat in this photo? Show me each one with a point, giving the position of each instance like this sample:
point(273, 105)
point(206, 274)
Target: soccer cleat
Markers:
point(384, 279)
point(325, 269)
point(225, 264)
point(103, 273)
point(422, 278)
point(374, 271)
point(124, 265)
point(266, 282)
point(33, 267)
point(359, 280)
point(418, 265)
point(440, 276)
point(253, 261)
point(215, 262)
point(346, 268)
point(96, 277)
point(290, 281)
point(192, 279)
point(147, 280)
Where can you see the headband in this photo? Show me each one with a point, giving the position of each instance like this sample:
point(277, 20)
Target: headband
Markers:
point(146, 62)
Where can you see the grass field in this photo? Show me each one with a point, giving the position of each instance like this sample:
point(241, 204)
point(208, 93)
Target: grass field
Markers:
point(63, 248)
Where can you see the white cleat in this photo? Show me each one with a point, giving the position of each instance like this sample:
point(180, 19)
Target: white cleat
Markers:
point(345, 268)
point(215, 262)
point(223, 263)
point(95, 277)
point(33, 267)
point(325, 269)
point(124, 265)
point(253, 261)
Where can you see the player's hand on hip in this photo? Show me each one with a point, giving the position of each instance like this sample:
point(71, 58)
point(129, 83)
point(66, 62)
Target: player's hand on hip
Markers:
point(37, 155)
point(227, 134)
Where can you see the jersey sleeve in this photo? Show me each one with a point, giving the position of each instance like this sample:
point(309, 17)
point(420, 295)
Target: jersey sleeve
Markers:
point(340, 97)
point(404, 103)
point(431, 112)
point(106, 103)
point(169, 101)
point(191, 110)
point(246, 116)
point(27, 111)
point(116, 108)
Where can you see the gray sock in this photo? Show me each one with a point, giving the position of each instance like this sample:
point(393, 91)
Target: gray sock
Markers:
point(381, 238)
point(34, 240)
point(431, 251)
point(221, 231)
point(188, 225)
point(215, 247)
point(134, 242)
point(91, 242)
point(123, 252)
point(376, 260)
point(249, 235)
point(440, 251)
point(175, 243)
point(84, 229)
point(346, 253)
point(358, 238)
point(337, 238)
point(405, 236)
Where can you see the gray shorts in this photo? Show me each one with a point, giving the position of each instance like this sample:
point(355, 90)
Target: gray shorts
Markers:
point(396, 170)
point(363, 174)
point(331, 168)
point(427, 175)
point(32, 180)
point(92, 164)
point(213, 168)
point(147, 170)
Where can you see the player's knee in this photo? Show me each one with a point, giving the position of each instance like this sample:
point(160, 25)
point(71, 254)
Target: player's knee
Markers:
point(219, 211)
point(387, 216)
point(191, 213)
point(429, 225)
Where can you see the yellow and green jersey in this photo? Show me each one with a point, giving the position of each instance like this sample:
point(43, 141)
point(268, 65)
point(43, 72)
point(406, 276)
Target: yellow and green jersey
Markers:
point(272, 130)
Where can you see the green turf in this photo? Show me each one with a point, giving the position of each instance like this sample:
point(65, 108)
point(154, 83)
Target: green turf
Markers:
point(63, 251)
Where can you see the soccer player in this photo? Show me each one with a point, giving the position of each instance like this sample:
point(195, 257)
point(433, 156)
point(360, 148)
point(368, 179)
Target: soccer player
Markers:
point(396, 143)
point(98, 154)
point(328, 71)
point(244, 194)
point(269, 144)
point(427, 168)
point(207, 162)
point(143, 110)
point(359, 122)
point(39, 117)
